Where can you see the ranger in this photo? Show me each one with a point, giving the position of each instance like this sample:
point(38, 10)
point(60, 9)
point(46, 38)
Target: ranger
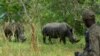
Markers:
point(92, 35)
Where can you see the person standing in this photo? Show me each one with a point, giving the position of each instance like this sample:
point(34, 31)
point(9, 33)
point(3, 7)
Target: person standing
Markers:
point(92, 35)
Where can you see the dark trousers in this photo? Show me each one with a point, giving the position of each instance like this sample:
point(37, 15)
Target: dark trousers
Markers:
point(85, 53)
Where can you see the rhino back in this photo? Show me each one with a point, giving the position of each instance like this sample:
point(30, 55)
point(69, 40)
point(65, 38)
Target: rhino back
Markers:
point(55, 28)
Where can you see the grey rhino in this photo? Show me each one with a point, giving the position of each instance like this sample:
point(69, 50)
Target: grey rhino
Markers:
point(14, 28)
point(58, 30)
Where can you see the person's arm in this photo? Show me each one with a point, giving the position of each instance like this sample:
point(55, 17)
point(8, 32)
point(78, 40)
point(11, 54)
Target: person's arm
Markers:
point(94, 44)
point(87, 45)
point(99, 43)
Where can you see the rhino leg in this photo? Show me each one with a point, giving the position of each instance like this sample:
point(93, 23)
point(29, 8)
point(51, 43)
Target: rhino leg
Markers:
point(8, 35)
point(16, 39)
point(63, 39)
point(60, 39)
point(44, 39)
point(16, 36)
point(9, 38)
point(50, 39)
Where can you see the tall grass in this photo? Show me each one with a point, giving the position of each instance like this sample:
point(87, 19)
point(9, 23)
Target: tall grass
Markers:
point(27, 48)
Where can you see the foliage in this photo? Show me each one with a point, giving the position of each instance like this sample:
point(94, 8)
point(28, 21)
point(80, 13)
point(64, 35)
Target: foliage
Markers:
point(13, 9)
point(45, 11)
point(41, 12)
point(26, 48)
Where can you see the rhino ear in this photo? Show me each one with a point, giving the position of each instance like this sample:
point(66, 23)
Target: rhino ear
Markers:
point(71, 30)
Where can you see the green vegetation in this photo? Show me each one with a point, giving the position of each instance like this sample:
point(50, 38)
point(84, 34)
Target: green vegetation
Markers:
point(40, 12)
point(25, 49)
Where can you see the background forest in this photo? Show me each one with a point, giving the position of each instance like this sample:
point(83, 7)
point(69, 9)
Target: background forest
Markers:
point(38, 13)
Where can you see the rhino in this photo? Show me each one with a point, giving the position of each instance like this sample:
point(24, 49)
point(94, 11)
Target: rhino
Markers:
point(58, 30)
point(15, 29)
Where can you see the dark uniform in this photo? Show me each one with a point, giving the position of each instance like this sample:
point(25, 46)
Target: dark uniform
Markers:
point(87, 40)
point(92, 39)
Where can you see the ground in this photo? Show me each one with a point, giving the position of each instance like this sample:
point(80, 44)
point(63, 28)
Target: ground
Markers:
point(26, 49)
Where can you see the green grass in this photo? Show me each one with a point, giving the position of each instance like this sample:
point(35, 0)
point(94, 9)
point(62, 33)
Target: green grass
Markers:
point(25, 49)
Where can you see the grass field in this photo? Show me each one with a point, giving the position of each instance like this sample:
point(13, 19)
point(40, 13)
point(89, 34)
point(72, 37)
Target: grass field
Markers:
point(27, 49)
